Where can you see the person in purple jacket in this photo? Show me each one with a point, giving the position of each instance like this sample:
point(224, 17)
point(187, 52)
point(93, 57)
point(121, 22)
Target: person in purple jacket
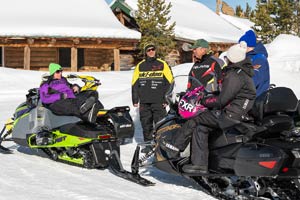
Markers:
point(58, 95)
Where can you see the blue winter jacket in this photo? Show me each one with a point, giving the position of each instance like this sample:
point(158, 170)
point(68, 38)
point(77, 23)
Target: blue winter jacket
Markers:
point(259, 58)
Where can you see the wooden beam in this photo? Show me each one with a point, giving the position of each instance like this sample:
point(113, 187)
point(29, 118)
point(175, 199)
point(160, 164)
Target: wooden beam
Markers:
point(74, 64)
point(27, 57)
point(84, 46)
point(117, 59)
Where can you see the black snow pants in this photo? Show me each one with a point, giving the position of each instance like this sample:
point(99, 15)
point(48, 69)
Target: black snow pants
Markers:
point(150, 113)
point(196, 131)
point(71, 107)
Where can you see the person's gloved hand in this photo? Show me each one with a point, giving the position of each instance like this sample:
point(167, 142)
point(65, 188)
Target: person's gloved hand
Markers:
point(76, 88)
point(63, 96)
point(208, 100)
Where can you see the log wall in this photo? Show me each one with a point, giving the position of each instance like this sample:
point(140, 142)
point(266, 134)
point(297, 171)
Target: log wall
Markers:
point(98, 59)
point(14, 57)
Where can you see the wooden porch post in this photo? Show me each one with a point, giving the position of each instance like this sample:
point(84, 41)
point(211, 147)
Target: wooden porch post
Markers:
point(74, 64)
point(27, 57)
point(117, 59)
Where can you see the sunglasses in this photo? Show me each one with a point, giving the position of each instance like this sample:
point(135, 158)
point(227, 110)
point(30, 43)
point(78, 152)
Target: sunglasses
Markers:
point(151, 49)
point(58, 71)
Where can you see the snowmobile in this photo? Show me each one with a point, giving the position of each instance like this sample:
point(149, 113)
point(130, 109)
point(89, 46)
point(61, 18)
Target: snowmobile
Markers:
point(69, 139)
point(257, 158)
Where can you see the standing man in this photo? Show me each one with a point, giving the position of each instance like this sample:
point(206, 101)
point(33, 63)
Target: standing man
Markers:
point(259, 58)
point(151, 80)
point(207, 68)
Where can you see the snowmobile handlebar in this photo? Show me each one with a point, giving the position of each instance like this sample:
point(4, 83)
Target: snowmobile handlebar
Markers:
point(90, 82)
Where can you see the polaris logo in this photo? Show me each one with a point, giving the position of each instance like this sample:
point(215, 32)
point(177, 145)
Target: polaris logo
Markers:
point(186, 106)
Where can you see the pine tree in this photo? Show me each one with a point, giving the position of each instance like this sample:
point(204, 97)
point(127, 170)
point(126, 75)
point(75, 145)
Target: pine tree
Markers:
point(239, 11)
point(296, 20)
point(264, 23)
point(247, 11)
point(153, 17)
point(283, 16)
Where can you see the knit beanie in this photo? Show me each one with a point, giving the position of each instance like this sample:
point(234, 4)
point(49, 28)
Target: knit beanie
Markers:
point(53, 67)
point(250, 38)
point(237, 53)
point(148, 46)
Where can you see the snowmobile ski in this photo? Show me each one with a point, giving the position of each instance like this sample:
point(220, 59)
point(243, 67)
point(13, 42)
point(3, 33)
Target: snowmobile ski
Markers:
point(116, 168)
point(3, 149)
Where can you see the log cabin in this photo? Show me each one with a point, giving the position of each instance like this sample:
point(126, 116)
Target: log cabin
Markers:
point(79, 35)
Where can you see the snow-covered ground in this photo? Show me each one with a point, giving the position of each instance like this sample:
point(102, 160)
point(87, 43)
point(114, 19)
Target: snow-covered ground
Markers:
point(27, 176)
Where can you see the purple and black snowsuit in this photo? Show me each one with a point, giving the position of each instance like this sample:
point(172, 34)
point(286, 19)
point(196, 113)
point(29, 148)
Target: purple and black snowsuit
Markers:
point(58, 96)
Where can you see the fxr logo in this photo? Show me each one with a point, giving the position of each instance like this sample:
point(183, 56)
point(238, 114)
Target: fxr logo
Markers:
point(183, 104)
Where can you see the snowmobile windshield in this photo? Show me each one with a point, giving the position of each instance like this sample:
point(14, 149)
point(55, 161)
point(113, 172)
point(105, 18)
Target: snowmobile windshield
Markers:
point(179, 86)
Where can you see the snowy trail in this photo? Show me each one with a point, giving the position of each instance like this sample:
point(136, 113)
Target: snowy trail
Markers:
point(27, 175)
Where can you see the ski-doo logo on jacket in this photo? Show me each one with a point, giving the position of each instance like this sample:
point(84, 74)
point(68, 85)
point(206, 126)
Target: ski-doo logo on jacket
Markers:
point(151, 74)
point(151, 80)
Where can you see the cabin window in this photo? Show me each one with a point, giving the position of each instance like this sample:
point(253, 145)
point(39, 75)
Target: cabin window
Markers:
point(65, 57)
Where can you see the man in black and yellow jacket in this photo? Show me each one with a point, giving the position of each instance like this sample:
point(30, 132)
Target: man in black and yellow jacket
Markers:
point(151, 80)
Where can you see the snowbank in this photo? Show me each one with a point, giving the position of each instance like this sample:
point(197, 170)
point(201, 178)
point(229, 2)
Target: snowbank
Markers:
point(284, 52)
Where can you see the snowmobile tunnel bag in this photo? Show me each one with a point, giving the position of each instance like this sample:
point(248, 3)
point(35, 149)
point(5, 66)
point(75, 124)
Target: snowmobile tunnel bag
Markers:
point(122, 121)
point(258, 160)
point(279, 99)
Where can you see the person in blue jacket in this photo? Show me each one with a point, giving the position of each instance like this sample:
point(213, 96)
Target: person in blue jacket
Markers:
point(259, 58)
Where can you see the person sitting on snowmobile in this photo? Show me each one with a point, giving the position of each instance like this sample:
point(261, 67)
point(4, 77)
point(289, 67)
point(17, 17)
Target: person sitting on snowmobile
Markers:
point(58, 95)
point(233, 103)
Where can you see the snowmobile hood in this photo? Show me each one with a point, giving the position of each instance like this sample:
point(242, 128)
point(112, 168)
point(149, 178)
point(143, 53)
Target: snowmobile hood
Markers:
point(259, 49)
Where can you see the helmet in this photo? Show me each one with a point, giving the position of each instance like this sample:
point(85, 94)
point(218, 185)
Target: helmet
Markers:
point(189, 105)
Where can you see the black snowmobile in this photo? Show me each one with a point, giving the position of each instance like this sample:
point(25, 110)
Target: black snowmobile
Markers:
point(258, 158)
point(69, 139)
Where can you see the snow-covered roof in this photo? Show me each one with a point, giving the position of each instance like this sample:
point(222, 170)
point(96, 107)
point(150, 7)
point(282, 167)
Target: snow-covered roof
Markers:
point(241, 23)
point(194, 20)
point(61, 18)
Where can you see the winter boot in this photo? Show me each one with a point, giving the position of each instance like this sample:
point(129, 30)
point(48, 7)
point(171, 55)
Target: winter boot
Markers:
point(87, 104)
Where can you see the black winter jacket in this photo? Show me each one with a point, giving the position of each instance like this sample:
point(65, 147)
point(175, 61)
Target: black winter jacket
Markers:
point(238, 91)
point(151, 80)
point(208, 70)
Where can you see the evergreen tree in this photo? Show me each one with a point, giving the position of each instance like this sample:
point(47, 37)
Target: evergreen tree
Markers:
point(264, 23)
point(247, 11)
point(152, 17)
point(239, 11)
point(296, 23)
point(283, 16)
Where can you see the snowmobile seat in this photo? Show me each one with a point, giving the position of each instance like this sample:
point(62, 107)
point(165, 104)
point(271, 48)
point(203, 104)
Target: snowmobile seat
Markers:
point(275, 100)
point(239, 133)
point(84, 130)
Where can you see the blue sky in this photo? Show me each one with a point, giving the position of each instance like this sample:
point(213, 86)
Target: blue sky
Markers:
point(233, 3)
